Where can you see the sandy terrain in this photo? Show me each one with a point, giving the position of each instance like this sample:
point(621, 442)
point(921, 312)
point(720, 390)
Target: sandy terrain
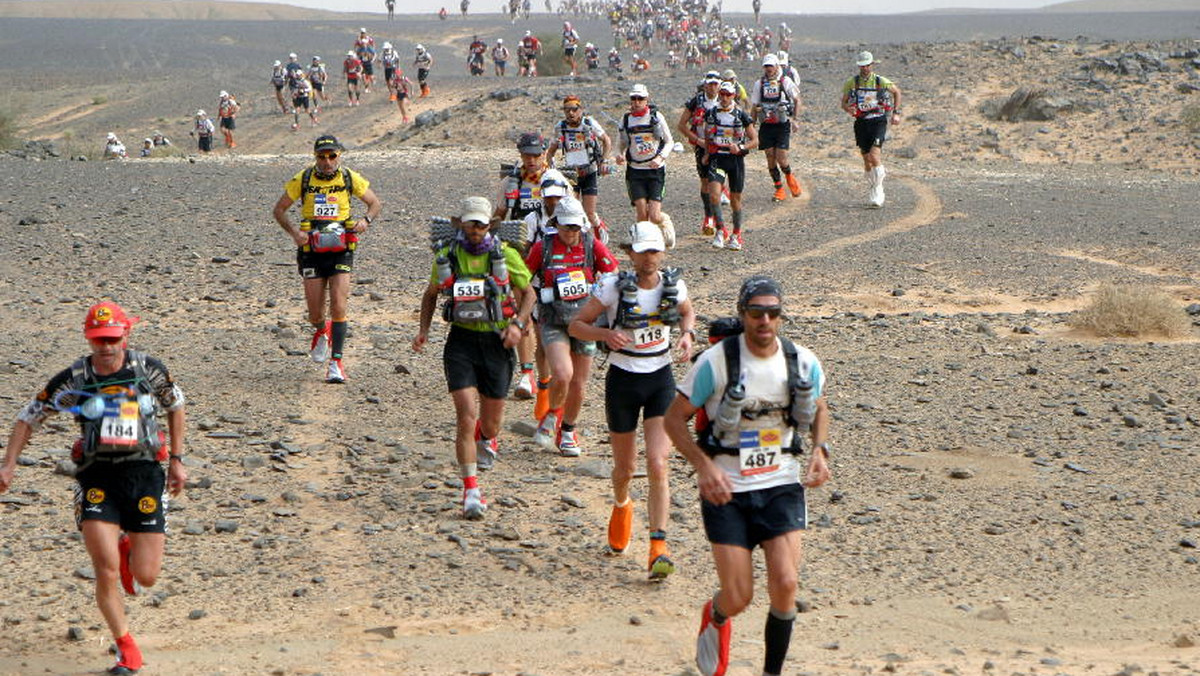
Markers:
point(321, 533)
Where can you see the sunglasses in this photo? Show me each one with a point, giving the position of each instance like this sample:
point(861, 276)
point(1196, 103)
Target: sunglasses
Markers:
point(757, 311)
point(107, 340)
point(327, 156)
point(569, 226)
point(476, 225)
point(726, 93)
point(637, 98)
point(570, 109)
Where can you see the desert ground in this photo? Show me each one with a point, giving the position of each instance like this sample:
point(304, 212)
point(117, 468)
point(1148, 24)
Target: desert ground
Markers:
point(1011, 495)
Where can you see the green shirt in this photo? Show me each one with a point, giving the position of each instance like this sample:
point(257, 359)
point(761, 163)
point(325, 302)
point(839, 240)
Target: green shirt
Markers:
point(479, 265)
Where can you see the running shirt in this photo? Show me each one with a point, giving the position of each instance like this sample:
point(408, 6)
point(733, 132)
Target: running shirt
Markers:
point(869, 95)
point(499, 53)
point(654, 338)
point(646, 138)
point(228, 107)
point(352, 66)
point(781, 93)
point(765, 381)
point(698, 106)
point(424, 60)
point(477, 267)
point(725, 130)
point(327, 198)
point(317, 74)
point(563, 260)
point(390, 59)
point(580, 144)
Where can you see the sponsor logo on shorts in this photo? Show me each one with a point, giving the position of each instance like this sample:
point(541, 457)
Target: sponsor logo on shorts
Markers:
point(308, 273)
point(147, 505)
point(342, 267)
point(151, 522)
point(93, 508)
point(95, 496)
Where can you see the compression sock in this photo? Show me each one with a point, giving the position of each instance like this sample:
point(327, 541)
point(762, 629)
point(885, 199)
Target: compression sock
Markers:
point(786, 170)
point(777, 635)
point(774, 171)
point(707, 204)
point(718, 216)
point(527, 367)
point(737, 221)
point(337, 338)
point(718, 617)
point(567, 427)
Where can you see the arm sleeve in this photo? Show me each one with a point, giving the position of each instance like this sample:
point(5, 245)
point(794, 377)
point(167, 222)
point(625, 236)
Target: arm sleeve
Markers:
point(169, 395)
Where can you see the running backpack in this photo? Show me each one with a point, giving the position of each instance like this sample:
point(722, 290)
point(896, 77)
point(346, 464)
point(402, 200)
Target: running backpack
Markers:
point(733, 371)
point(128, 428)
point(650, 127)
point(569, 289)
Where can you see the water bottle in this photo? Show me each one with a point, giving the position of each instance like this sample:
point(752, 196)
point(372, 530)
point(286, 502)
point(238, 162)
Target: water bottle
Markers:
point(499, 267)
point(628, 288)
point(729, 414)
point(804, 406)
point(444, 273)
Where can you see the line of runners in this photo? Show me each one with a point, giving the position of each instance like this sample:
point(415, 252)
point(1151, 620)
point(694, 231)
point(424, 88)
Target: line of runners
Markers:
point(754, 395)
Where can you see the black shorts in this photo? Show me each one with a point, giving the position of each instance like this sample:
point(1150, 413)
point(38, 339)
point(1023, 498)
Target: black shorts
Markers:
point(569, 51)
point(324, 265)
point(228, 123)
point(318, 86)
point(400, 96)
point(870, 133)
point(625, 394)
point(422, 75)
point(646, 184)
point(368, 68)
point(478, 359)
point(205, 143)
point(278, 86)
point(352, 81)
point(729, 170)
point(387, 73)
point(753, 517)
point(131, 494)
point(701, 167)
point(777, 135)
point(589, 183)
point(300, 102)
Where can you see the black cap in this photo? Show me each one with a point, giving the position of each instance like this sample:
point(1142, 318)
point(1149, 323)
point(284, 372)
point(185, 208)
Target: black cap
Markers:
point(759, 285)
point(326, 142)
point(531, 143)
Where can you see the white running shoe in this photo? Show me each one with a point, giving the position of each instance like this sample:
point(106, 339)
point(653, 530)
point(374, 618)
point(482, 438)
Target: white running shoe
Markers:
point(318, 351)
point(473, 504)
point(525, 386)
point(486, 452)
point(568, 445)
point(734, 243)
point(335, 374)
point(546, 431)
point(718, 240)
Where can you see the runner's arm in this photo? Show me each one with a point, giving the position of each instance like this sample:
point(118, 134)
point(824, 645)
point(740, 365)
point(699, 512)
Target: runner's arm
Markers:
point(818, 465)
point(21, 432)
point(714, 485)
point(374, 206)
point(428, 303)
point(280, 212)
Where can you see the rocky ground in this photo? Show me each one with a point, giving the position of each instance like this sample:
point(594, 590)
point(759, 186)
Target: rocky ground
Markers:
point(1010, 496)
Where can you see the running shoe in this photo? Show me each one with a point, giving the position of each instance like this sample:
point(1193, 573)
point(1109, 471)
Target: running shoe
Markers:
point(335, 374)
point(620, 527)
point(546, 431)
point(602, 232)
point(718, 240)
point(712, 645)
point(734, 242)
point(780, 195)
point(128, 583)
point(526, 385)
point(708, 228)
point(473, 504)
point(486, 451)
point(724, 196)
point(668, 230)
point(319, 350)
point(793, 185)
point(568, 445)
point(541, 405)
point(129, 656)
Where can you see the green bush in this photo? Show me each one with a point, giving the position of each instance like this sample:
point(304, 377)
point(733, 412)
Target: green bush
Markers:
point(8, 128)
point(551, 63)
point(99, 100)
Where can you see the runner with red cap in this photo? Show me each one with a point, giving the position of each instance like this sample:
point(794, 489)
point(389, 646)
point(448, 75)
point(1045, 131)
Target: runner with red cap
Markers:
point(116, 395)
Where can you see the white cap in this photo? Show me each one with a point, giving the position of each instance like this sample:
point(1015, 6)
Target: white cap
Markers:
point(148, 140)
point(316, 58)
point(277, 63)
point(350, 53)
point(420, 48)
point(865, 58)
point(111, 136)
point(224, 94)
point(499, 41)
point(639, 90)
point(728, 87)
point(555, 190)
point(387, 45)
point(783, 58)
point(475, 209)
point(201, 113)
point(292, 55)
point(589, 45)
point(362, 30)
point(646, 236)
point(570, 212)
point(770, 60)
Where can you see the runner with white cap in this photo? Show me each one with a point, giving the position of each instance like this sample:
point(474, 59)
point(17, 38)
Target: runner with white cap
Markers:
point(873, 100)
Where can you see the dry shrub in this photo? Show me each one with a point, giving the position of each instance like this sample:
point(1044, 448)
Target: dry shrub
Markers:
point(1191, 118)
point(1131, 311)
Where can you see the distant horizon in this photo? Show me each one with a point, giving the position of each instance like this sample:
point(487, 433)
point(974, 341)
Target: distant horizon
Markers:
point(811, 7)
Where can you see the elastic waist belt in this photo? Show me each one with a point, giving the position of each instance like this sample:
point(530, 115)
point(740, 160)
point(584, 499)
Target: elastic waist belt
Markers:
point(659, 353)
point(124, 457)
point(713, 449)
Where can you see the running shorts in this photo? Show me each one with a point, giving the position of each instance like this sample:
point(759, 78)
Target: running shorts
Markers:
point(131, 494)
point(478, 359)
point(751, 518)
point(626, 393)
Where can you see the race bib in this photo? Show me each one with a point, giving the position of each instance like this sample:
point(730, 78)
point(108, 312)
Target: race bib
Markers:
point(868, 99)
point(644, 145)
point(759, 451)
point(572, 285)
point(325, 206)
point(120, 428)
point(724, 136)
point(654, 335)
point(770, 91)
point(468, 289)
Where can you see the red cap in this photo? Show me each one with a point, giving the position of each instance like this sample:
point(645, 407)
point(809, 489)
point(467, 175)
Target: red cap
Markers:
point(106, 320)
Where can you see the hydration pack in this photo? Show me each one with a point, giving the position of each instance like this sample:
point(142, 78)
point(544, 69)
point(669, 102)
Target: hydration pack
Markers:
point(568, 290)
point(127, 429)
point(650, 127)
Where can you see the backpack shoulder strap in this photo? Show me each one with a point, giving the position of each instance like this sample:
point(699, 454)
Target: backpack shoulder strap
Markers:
point(547, 247)
point(348, 180)
point(588, 249)
point(305, 182)
point(733, 360)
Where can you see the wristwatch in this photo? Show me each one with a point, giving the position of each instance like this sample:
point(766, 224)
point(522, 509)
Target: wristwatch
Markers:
point(824, 446)
point(519, 324)
point(367, 219)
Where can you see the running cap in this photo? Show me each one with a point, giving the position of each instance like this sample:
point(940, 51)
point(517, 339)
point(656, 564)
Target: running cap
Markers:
point(570, 212)
point(554, 187)
point(646, 236)
point(865, 58)
point(362, 30)
point(728, 74)
point(528, 33)
point(292, 55)
point(477, 209)
point(111, 137)
point(420, 48)
point(499, 41)
point(350, 53)
point(327, 142)
point(278, 63)
point(770, 60)
point(728, 88)
point(572, 98)
point(590, 45)
point(531, 143)
point(712, 77)
point(639, 90)
point(148, 140)
point(316, 58)
point(783, 58)
point(387, 45)
point(106, 320)
point(201, 113)
point(758, 285)
point(224, 94)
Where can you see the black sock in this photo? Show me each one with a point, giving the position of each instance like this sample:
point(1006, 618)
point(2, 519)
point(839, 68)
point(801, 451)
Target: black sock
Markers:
point(774, 174)
point(787, 169)
point(567, 427)
point(718, 216)
point(737, 221)
point(337, 338)
point(718, 617)
point(777, 635)
point(707, 204)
